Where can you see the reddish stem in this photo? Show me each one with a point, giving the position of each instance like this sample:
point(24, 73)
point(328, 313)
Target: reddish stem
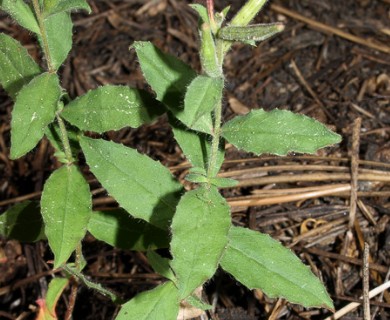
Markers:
point(210, 10)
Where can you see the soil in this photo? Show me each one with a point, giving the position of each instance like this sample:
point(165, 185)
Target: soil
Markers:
point(331, 63)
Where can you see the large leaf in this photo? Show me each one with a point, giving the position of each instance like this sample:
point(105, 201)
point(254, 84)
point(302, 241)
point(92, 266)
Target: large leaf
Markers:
point(58, 29)
point(120, 230)
point(21, 12)
point(17, 67)
point(202, 96)
point(260, 262)
point(66, 209)
point(57, 6)
point(197, 246)
point(23, 222)
point(34, 109)
point(278, 132)
point(112, 108)
point(159, 303)
point(142, 186)
point(196, 146)
point(167, 75)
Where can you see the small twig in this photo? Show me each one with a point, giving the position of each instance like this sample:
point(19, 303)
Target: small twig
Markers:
point(328, 29)
point(349, 307)
point(366, 282)
point(354, 170)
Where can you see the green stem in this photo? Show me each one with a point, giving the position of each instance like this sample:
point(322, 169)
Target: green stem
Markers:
point(42, 30)
point(64, 138)
point(211, 172)
point(92, 285)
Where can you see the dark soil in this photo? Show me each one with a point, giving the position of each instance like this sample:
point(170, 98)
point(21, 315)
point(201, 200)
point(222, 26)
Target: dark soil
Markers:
point(310, 68)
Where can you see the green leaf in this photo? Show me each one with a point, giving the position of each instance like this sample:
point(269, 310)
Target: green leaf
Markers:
point(66, 208)
point(21, 12)
point(196, 178)
point(58, 29)
point(22, 222)
point(197, 247)
point(258, 261)
point(202, 12)
point(223, 182)
point(167, 75)
point(33, 111)
point(278, 132)
point(56, 6)
point(208, 52)
point(17, 67)
point(120, 230)
point(112, 108)
point(197, 303)
point(196, 146)
point(142, 186)
point(256, 32)
point(56, 288)
point(161, 265)
point(202, 96)
point(161, 302)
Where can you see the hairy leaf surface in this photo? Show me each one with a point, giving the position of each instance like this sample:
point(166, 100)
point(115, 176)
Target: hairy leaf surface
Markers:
point(17, 67)
point(202, 96)
point(66, 209)
point(21, 12)
point(199, 236)
point(112, 108)
point(119, 229)
point(33, 111)
point(278, 132)
point(142, 186)
point(159, 303)
point(260, 262)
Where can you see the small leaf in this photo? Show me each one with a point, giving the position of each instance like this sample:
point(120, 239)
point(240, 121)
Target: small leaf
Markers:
point(33, 111)
point(161, 265)
point(120, 230)
point(223, 182)
point(47, 310)
point(196, 178)
point(17, 68)
point(112, 108)
point(142, 186)
point(23, 222)
point(57, 6)
point(161, 302)
point(167, 75)
point(256, 32)
point(59, 37)
point(66, 208)
point(202, 96)
point(260, 262)
point(278, 132)
point(197, 245)
point(202, 12)
point(21, 12)
point(196, 302)
point(196, 146)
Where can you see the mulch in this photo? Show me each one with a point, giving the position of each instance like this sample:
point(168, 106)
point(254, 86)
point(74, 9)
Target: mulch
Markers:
point(331, 63)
